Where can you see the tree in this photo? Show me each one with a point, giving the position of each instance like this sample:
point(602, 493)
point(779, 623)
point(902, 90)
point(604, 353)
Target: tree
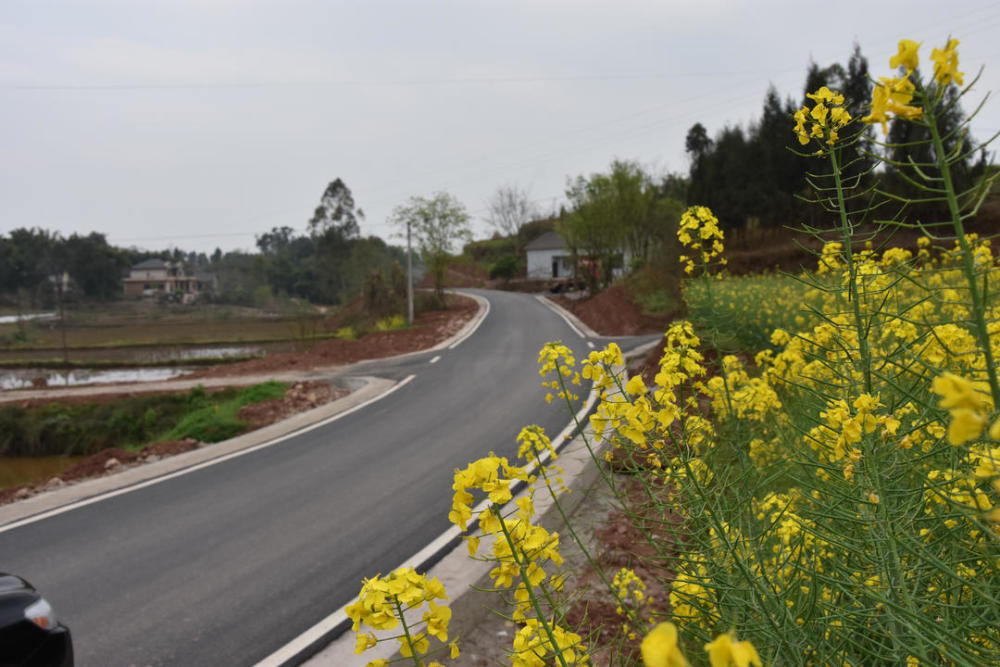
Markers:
point(336, 211)
point(27, 258)
point(334, 227)
point(610, 212)
point(508, 210)
point(697, 142)
point(274, 241)
point(436, 224)
point(94, 265)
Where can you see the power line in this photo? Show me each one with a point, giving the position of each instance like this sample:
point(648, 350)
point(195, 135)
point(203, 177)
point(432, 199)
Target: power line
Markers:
point(225, 85)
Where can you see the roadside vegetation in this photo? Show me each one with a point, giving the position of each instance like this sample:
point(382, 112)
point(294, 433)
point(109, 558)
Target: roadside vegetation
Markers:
point(61, 429)
point(814, 466)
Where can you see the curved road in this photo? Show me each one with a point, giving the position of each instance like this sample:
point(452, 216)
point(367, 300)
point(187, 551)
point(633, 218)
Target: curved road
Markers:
point(228, 563)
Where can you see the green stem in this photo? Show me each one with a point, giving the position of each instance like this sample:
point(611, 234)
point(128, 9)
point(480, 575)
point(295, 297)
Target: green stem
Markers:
point(535, 604)
point(968, 264)
point(406, 632)
point(898, 574)
point(846, 233)
point(583, 434)
point(583, 549)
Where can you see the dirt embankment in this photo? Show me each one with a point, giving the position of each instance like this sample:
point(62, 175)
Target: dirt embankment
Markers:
point(613, 313)
point(429, 328)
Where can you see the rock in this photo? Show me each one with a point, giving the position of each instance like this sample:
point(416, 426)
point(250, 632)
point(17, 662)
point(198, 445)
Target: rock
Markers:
point(112, 464)
point(152, 458)
point(22, 493)
point(54, 483)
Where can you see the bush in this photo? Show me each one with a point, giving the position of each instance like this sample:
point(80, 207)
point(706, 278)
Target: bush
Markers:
point(346, 333)
point(391, 323)
point(505, 268)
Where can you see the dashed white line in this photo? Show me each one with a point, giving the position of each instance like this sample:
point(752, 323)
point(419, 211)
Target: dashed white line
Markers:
point(436, 359)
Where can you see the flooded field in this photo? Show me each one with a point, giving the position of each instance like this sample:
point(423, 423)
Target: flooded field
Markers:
point(151, 354)
point(24, 317)
point(27, 378)
point(25, 469)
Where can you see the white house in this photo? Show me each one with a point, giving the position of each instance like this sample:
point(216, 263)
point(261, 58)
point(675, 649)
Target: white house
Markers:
point(548, 257)
point(158, 277)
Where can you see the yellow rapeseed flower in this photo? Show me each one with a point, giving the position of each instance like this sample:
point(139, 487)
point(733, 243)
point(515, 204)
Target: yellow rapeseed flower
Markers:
point(907, 56)
point(968, 403)
point(828, 117)
point(946, 64)
point(726, 651)
point(892, 96)
point(659, 647)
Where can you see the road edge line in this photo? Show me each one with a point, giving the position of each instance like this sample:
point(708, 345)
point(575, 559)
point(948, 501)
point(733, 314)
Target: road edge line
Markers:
point(332, 627)
point(574, 322)
point(320, 635)
point(17, 523)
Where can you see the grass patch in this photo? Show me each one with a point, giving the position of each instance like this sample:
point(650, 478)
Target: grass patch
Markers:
point(217, 422)
point(59, 429)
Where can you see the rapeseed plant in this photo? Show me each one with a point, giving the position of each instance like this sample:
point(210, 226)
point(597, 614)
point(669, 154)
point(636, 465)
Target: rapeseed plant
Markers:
point(832, 492)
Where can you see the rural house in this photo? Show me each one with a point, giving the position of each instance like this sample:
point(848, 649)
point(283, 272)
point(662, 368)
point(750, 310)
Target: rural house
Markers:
point(548, 257)
point(156, 277)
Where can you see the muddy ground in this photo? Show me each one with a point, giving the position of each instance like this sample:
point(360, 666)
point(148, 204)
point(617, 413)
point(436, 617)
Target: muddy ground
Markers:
point(613, 313)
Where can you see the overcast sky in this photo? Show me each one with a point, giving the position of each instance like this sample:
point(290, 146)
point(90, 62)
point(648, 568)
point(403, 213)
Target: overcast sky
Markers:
point(200, 123)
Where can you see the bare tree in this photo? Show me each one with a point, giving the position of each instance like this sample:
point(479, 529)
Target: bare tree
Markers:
point(508, 210)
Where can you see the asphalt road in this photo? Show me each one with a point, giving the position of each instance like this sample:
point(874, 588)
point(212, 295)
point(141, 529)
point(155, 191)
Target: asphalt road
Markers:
point(225, 565)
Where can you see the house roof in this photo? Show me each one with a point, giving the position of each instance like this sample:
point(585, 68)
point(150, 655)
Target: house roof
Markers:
point(151, 264)
point(547, 241)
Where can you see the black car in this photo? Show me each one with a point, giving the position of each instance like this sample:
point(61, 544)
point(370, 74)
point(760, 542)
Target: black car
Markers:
point(30, 635)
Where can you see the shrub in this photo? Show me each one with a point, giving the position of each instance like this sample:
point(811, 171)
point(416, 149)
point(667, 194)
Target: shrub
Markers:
point(391, 323)
point(346, 333)
point(505, 268)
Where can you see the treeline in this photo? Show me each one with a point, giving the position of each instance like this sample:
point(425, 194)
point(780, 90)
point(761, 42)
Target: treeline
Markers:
point(36, 265)
point(329, 263)
point(750, 177)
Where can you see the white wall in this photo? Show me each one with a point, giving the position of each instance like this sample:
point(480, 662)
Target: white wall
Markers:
point(539, 263)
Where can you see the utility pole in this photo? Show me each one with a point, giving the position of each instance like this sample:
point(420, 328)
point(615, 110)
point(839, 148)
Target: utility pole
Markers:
point(409, 275)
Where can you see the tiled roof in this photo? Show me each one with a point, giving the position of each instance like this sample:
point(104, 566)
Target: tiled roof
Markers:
point(547, 241)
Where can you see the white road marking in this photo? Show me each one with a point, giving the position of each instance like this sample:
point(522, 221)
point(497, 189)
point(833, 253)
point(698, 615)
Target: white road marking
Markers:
point(292, 649)
point(483, 313)
point(200, 466)
point(436, 359)
point(562, 315)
